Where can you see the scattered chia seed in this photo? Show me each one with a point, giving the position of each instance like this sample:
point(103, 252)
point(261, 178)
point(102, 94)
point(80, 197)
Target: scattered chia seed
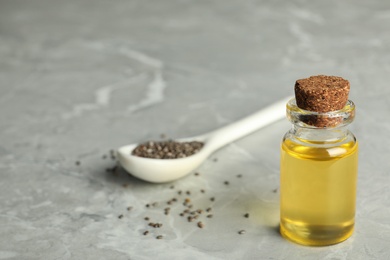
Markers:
point(246, 215)
point(120, 216)
point(241, 232)
point(171, 201)
point(275, 190)
point(78, 163)
point(226, 183)
point(104, 156)
point(215, 160)
point(112, 154)
point(167, 149)
point(196, 173)
point(187, 211)
point(129, 208)
point(112, 170)
point(239, 175)
point(155, 225)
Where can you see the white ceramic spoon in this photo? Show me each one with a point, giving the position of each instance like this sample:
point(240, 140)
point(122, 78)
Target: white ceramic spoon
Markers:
point(165, 170)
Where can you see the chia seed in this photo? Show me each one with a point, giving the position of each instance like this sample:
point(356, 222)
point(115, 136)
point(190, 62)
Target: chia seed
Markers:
point(167, 149)
point(200, 224)
point(112, 154)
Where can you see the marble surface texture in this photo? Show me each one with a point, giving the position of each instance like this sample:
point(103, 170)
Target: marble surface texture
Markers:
point(79, 78)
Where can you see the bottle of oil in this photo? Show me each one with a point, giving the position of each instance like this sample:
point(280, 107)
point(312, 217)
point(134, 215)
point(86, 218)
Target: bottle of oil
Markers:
point(319, 158)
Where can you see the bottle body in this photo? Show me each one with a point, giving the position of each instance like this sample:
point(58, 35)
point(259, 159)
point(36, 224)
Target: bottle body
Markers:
point(318, 184)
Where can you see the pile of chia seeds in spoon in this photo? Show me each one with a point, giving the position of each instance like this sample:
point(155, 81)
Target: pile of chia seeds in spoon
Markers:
point(167, 149)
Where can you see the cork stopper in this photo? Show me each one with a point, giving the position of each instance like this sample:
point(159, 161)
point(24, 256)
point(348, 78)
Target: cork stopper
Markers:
point(322, 94)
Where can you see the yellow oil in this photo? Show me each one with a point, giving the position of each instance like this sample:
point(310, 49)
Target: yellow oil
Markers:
point(318, 192)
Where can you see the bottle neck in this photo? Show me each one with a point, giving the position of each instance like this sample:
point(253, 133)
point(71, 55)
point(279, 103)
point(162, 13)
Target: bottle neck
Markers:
point(316, 127)
point(319, 135)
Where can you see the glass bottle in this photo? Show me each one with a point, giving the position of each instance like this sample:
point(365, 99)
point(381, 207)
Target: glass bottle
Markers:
point(318, 175)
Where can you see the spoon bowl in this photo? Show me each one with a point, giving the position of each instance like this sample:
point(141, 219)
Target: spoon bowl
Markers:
point(166, 170)
point(161, 170)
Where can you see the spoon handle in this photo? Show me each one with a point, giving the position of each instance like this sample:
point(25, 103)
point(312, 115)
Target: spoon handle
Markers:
point(247, 125)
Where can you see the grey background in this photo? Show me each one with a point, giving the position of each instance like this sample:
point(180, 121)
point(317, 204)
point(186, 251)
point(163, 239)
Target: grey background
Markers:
point(78, 78)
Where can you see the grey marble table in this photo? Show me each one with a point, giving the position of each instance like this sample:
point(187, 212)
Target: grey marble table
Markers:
point(79, 78)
